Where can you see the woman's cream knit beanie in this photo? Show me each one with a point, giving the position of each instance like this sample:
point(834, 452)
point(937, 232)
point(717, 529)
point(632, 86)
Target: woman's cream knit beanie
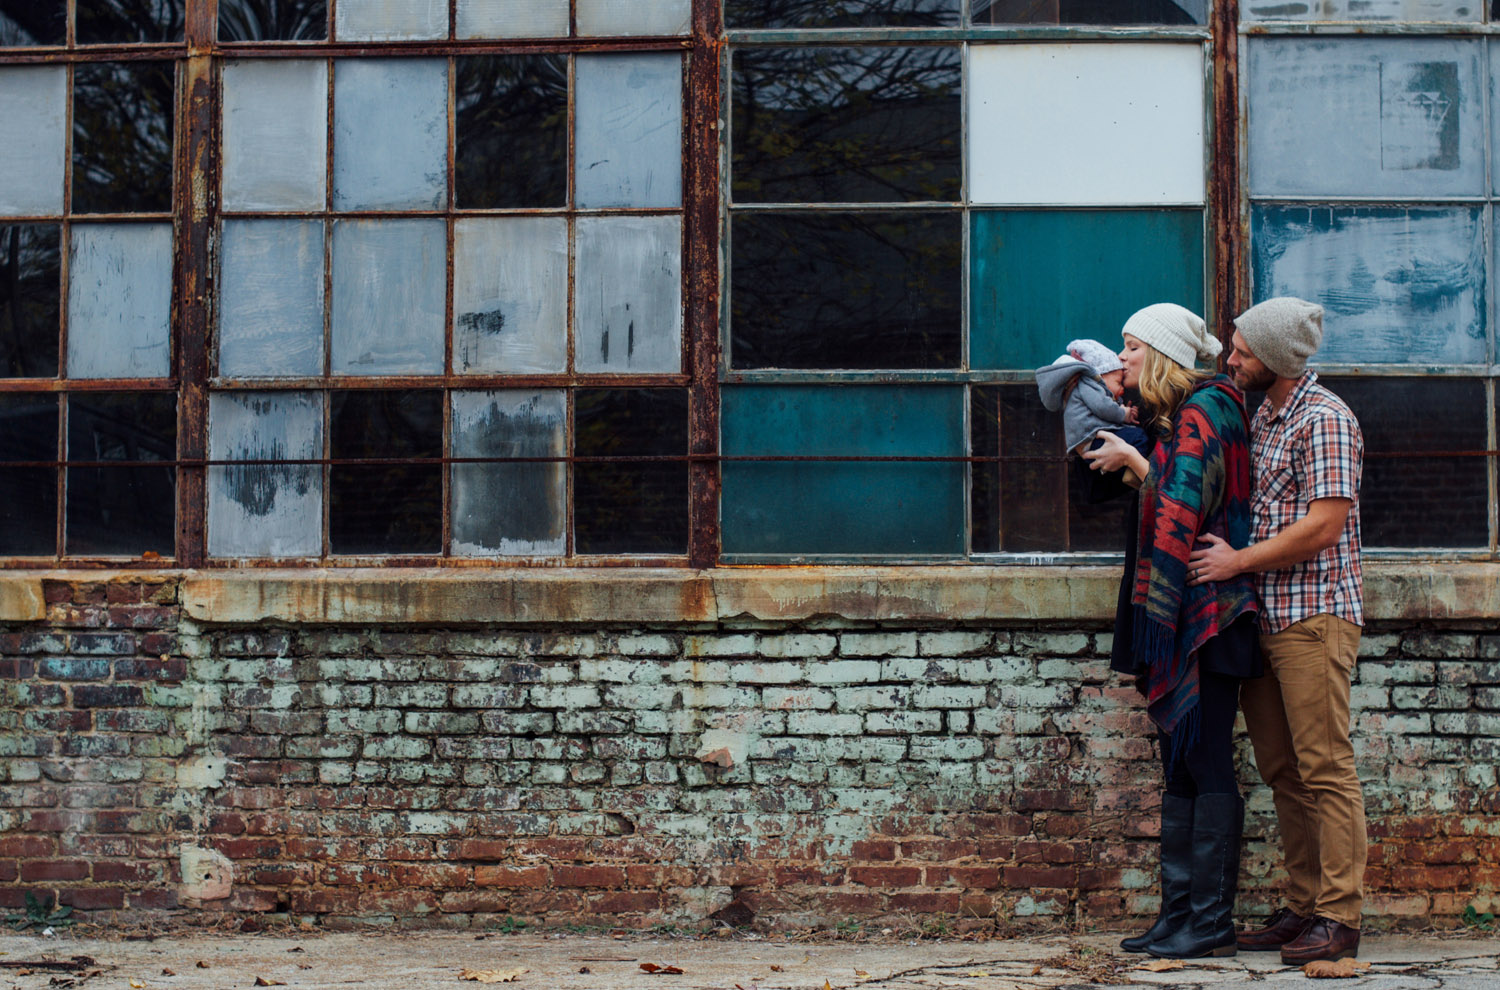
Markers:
point(1175, 331)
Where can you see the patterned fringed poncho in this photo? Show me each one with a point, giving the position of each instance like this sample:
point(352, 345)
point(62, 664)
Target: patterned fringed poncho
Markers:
point(1199, 483)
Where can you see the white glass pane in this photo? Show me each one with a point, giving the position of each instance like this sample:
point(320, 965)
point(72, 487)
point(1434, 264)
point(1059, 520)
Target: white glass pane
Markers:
point(510, 294)
point(33, 146)
point(622, 17)
point(271, 298)
point(628, 127)
point(120, 300)
point(390, 134)
point(275, 135)
point(1362, 10)
point(1133, 116)
point(1369, 117)
point(1401, 285)
point(509, 509)
point(512, 18)
point(265, 510)
point(390, 20)
point(389, 277)
point(628, 294)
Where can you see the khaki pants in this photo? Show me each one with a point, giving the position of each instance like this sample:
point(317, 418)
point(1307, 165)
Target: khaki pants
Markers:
point(1298, 715)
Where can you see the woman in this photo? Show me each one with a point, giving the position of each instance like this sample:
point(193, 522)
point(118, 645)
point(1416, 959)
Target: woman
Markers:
point(1187, 646)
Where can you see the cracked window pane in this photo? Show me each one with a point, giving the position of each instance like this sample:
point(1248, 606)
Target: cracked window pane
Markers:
point(122, 137)
point(510, 294)
point(28, 495)
point(273, 20)
point(511, 131)
point(628, 294)
point(121, 511)
point(628, 130)
point(386, 509)
point(265, 510)
point(30, 299)
point(509, 509)
point(120, 300)
point(271, 298)
point(390, 134)
point(275, 135)
point(630, 507)
point(33, 139)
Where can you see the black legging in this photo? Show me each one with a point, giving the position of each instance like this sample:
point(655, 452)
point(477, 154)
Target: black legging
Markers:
point(1207, 767)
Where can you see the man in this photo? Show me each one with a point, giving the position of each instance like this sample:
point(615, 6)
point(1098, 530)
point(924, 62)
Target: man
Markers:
point(1306, 453)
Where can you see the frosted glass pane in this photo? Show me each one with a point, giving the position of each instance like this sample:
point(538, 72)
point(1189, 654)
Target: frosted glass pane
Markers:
point(509, 509)
point(390, 20)
point(388, 282)
point(271, 298)
point(604, 17)
point(390, 134)
point(1362, 10)
point(628, 130)
point(512, 18)
point(275, 135)
point(1365, 116)
point(120, 300)
point(265, 510)
point(1134, 133)
point(510, 294)
point(1397, 285)
point(628, 294)
point(33, 133)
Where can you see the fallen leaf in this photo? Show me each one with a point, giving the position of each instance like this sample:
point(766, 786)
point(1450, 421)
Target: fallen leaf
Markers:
point(493, 975)
point(202, 964)
point(168, 972)
point(149, 555)
point(22, 972)
point(978, 973)
point(1162, 965)
point(1036, 971)
point(663, 970)
point(777, 969)
point(584, 969)
point(296, 948)
point(860, 974)
point(304, 966)
point(137, 984)
point(1324, 969)
point(261, 981)
point(827, 985)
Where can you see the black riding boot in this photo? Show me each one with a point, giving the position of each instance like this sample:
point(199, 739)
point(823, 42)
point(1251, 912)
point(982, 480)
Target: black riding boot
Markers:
point(1176, 872)
point(1209, 931)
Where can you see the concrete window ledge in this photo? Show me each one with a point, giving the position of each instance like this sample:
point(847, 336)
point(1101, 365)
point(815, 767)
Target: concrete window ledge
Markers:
point(1394, 591)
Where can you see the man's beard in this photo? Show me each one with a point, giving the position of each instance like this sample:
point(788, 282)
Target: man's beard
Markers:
point(1255, 382)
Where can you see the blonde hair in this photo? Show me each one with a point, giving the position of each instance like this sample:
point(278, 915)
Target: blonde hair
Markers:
point(1164, 386)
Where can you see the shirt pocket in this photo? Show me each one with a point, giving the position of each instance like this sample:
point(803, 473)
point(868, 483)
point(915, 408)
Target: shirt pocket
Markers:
point(1276, 485)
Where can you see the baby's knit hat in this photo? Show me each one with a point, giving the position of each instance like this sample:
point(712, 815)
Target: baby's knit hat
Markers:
point(1094, 354)
point(1177, 332)
point(1283, 333)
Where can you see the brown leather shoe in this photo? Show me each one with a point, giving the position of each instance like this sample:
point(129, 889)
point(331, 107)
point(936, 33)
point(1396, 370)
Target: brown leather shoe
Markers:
point(1280, 928)
point(1323, 939)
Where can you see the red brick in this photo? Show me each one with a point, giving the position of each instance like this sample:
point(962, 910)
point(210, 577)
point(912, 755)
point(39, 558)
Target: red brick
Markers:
point(510, 876)
point(926, 903)
point(588, 876)
point(323, 901)
point(1049, 852)
point(142, 617)
point(26, 846)
point(475, 902)
point(494, 849)
point(107, 871)
point(12, 669)
point(940, 850)
point(281, 875)
point(1090, 878)
point(1031, 876)
point(885, 876)
point(92, 898)
point(356, 874)
point(1440, 852)
point(254, 899)
point(983, 877)
point(160, 899)
point(37, 870)
point(874, 849)
point(401, 903)
point(814, 875)
point(626, 902)
point(1050, 800)
point(119, 592)
point(248, 848)
point(432, 875)
point(1430, 877)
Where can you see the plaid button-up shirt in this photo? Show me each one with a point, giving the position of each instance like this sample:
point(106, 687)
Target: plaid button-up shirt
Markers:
point(1311, 448)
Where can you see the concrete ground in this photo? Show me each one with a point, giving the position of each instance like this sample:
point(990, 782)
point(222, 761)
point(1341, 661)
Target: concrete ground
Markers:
point(422, 961)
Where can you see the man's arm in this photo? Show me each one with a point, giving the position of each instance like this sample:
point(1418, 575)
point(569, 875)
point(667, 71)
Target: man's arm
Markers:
point(1303, 540)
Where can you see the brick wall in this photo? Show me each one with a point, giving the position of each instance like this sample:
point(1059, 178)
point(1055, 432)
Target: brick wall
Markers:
point(796, 772)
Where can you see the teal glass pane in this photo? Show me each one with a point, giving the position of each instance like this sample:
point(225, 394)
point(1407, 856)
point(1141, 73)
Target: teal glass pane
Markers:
point(1040, 278)
point(843, 507)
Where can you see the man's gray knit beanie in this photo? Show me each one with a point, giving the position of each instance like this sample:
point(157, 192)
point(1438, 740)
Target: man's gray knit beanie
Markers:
point(1283, 333)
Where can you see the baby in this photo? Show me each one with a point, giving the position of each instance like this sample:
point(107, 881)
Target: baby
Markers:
point(1086, 384)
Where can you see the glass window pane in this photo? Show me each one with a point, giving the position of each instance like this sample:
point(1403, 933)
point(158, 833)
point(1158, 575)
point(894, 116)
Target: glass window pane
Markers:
point(271, 298)
point(1134, 133)
point(1033, 500)
point(275, 135)
point(389, 278)
point(30, 299)
point(120, 300)
point(390, 134)
point(32, 22)
point(839, 13)
point(510, 509)
point(874, 124)
point(512, 18)
point(390, 20)
point(1090, 11)
point(630, 506)
point(854, 507)
point(122, 137)
point(121, 511)
point(28, 495)
point(1040, 279)
point(634, 17)
point(628, 294)
point(628, 130)
point(846, 290)
point(33, 145)
point(273, 20)
point(1361, 10)
point(1398, 285)
point(510, 294)
point(383, 509)
point(511, 131)
point(1392, 117)
point(265, 510)
point(1431, 501)
point(123, 22)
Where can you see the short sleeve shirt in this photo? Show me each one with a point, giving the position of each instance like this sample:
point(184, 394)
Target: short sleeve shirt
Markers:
point(1311, 448)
